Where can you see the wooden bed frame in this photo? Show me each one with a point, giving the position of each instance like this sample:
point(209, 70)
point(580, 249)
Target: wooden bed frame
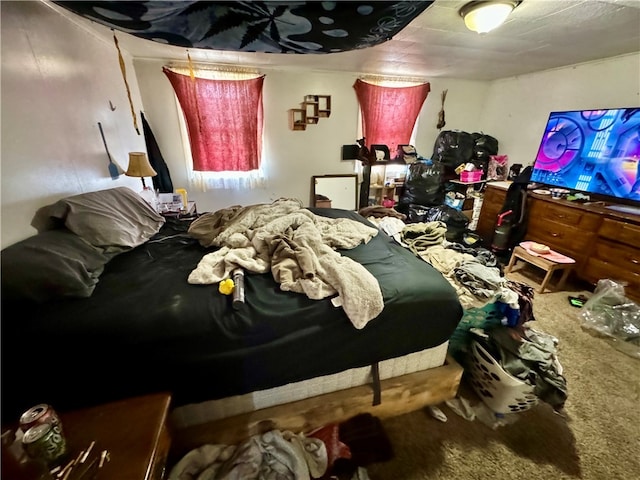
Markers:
point(399, 395)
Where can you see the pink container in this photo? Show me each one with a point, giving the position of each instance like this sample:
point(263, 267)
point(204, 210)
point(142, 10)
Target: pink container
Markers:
point(474, 176)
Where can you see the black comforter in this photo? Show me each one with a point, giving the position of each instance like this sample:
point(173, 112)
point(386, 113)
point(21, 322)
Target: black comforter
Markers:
point(146, 329)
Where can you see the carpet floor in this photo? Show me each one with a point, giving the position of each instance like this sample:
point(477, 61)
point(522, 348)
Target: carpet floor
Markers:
point(598, 437)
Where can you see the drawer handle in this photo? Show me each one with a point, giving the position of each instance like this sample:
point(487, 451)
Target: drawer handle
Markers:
point(555, 234)
point(633, 260)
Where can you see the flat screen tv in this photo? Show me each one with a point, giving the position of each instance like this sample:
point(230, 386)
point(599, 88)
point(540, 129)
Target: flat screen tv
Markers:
point(594, 151)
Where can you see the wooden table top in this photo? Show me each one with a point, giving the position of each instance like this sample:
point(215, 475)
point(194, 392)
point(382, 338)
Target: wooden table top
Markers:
point(129, 430)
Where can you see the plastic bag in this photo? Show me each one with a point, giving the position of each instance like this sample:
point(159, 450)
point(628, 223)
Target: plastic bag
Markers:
point(424, 185)
point(484, 146)
point(455, 220)
point(610, 313)
point(453, 147)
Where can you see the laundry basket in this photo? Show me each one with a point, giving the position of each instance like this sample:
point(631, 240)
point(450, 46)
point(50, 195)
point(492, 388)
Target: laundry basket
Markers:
point(499, 390)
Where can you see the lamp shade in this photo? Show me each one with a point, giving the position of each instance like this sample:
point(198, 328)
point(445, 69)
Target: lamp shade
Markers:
point(139, 166)
point(484, 16)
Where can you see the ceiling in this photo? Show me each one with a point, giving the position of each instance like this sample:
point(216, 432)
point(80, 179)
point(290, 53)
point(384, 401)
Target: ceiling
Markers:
point(539, 35)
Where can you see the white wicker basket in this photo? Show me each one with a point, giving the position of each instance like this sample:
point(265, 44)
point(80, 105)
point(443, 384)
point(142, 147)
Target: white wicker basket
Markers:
point(499, 390)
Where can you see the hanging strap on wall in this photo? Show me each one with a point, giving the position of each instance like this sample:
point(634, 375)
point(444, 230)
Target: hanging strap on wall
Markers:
point(123, 69)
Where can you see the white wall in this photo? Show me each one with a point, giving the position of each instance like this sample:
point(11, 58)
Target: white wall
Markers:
point(57, 81)
point(293, 157)
point(517, 108)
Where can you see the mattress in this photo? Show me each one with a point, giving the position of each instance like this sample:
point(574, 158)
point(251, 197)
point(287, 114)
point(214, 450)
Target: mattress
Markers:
point(203, 412)
point(145, 329)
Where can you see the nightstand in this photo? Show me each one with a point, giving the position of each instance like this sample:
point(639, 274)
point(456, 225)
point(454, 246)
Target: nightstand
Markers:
point(133, 431)
point(190, 212)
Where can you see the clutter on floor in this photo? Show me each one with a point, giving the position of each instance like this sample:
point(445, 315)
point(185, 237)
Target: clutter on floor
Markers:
point(578, 301)
point(511, 367)
point(339, 451)
point(509, 364)
point(610, 313)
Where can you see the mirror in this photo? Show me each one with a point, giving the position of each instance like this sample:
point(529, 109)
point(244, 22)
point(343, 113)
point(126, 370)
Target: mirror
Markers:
point(341, 190)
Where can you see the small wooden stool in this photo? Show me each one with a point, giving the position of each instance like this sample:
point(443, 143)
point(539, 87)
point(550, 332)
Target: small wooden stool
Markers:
point(548, 266)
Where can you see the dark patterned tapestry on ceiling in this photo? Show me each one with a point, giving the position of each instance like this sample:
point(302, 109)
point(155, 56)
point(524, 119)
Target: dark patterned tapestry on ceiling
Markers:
point(272, 27)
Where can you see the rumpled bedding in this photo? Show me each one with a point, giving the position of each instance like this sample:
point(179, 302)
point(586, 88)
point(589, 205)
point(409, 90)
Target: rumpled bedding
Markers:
point(297, 247)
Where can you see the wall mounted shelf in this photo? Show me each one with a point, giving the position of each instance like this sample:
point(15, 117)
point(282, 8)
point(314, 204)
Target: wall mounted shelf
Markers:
point(297, 119)
point(313, 108)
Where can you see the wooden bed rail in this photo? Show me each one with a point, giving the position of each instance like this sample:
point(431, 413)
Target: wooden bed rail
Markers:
point(400, 395)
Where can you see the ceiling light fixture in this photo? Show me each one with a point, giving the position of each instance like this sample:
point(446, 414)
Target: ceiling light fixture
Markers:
point(484, 16)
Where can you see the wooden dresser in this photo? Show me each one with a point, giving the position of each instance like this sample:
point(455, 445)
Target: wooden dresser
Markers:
point(492, 202)
point(605, 243)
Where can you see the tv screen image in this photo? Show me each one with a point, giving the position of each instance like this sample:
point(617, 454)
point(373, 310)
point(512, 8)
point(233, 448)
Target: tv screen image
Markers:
point(595, 151)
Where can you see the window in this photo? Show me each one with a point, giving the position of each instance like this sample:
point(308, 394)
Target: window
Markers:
point(222, 125)
point(389, 114)
point(389, 111)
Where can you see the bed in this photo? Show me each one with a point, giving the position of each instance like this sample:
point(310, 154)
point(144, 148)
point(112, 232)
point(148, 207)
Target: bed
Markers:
point(138, 326)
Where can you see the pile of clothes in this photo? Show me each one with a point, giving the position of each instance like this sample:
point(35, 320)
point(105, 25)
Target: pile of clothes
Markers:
point(531, 356)
point(336, 451)
point(500, 309)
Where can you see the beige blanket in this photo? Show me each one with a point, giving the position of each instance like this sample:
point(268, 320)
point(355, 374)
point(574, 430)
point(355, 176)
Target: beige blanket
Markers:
point(297, 247)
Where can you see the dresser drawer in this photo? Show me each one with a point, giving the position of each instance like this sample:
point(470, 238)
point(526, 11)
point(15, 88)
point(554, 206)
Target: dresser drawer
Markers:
point(565, 215)
point(492, 202)
point(490, 211)
point(596, 269)
point(494, 195)
point(562, 237)
point(625, 257)
point(626, 233)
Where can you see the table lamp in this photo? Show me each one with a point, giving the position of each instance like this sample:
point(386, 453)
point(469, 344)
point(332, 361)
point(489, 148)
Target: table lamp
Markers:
point(139, 166)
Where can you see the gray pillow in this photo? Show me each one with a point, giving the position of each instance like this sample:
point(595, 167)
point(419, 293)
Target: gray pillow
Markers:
point(115, 219)
point(52, 264)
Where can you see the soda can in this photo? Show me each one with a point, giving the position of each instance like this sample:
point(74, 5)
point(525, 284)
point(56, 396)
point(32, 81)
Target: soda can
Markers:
point(45, 442)
point(37, 415)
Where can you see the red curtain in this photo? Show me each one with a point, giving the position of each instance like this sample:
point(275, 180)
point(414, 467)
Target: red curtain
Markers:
point(389, 113)
point(224, 119)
